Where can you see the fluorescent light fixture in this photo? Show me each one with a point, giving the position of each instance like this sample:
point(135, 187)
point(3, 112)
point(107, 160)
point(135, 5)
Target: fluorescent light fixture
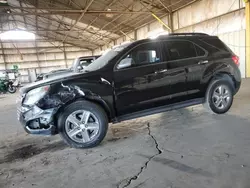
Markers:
point(17, 35)
point(3, 1)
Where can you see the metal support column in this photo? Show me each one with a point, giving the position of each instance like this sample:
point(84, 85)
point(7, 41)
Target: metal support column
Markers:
point(2, 48)
point(247, 38)
point(171, 22)
point(65, 56)
point(3, 54)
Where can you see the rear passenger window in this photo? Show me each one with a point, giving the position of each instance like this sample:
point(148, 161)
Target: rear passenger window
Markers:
point(182, 50)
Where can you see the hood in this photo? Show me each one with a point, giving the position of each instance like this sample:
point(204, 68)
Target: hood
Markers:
point(49, 81)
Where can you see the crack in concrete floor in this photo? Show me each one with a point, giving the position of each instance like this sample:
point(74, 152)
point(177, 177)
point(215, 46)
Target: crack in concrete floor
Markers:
point(135, 177)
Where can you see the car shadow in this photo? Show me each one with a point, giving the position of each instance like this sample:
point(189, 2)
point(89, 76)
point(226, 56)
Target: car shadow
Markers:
point(187, 118)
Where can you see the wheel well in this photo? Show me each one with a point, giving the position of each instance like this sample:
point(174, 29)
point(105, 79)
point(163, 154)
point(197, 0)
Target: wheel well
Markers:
point(99, 103)
point(225, 76)
point(104, 106)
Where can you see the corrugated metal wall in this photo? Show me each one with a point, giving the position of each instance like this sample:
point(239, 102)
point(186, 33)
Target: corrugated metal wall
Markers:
point(237, 42)
point(225, 18)
point(43, 58)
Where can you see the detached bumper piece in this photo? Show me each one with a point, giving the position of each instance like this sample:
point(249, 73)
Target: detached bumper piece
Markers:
point(37, 121)
point(49, 131)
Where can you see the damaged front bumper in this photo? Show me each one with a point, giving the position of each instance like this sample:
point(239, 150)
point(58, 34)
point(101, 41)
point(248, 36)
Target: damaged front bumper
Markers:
point(37, 121)
point(36, 113)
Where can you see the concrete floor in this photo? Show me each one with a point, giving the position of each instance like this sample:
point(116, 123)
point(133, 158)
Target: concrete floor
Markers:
point(185, 148)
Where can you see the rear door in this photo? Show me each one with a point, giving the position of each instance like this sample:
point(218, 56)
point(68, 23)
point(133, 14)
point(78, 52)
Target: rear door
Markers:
point(185, 59)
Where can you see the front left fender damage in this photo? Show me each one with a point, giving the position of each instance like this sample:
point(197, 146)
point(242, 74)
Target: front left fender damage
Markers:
point(39, 118)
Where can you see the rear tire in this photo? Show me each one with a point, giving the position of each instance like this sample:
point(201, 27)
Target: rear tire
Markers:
point(83, 124)
point(219, 96)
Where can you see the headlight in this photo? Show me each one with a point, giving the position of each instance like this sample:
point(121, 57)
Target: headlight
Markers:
point(35, 95)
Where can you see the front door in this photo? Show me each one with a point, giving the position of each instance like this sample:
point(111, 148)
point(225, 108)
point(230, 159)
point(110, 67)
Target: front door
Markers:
point(142, 82)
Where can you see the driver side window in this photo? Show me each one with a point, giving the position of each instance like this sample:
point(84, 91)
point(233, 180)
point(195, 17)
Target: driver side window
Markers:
point(144, 54)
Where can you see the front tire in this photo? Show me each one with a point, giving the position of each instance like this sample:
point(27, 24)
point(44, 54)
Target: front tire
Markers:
point(83, 124)
point(219, 96)
point(11, 89)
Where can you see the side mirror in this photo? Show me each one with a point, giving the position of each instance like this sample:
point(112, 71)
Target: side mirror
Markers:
point(79, 67)
point(127, 62)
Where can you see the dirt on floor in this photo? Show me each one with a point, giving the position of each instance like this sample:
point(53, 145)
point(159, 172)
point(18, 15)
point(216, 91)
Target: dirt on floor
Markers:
point(183, 148)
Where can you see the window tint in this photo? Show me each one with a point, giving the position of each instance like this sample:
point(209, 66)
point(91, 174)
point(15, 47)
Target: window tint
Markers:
point(199, 51)
point(217, 44)
point(179, 50)
point(143, 54)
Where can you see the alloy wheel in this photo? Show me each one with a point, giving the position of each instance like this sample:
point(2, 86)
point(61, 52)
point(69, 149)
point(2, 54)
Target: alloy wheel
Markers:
point(221, 97)
point(82, 126)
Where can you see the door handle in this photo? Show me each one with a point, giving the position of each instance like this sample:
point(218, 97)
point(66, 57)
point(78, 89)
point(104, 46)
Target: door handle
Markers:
point(202, 62)
point(161, 71)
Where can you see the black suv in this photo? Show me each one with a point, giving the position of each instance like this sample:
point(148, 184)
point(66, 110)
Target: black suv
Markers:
point(132, 80)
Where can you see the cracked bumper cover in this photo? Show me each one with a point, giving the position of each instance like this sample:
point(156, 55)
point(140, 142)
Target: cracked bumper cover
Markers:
point(36, 121)
point(39, 117)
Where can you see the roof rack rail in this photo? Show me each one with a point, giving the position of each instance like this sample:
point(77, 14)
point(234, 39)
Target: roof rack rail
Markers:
point(190, 34)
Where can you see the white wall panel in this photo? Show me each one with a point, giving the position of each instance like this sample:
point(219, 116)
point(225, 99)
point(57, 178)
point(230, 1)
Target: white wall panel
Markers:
point(185, 17)
point(119, 41)
point(130, 36)
point(155, 25)
point(209, 27)
point(22, 51)
point(1, 58)
point(69, 63)
point(142, 33)
point(202, 11)
point(73, 55)
point(212, 17)
point(176, 20)
point(2, 66)
point(237, 43)
point(97, 51)
point(48, 58)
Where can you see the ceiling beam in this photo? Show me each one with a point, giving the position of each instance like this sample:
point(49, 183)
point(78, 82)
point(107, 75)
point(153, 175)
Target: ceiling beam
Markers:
point(47, 30)
point(79, 19)
point(76, 27)
point(65, 11)
point(94, 20)
point(165, 6)
point(124, 21)
point(68, 41)
point(103, 27)
point(151, 4)
point(76, 13)
point(146, 23)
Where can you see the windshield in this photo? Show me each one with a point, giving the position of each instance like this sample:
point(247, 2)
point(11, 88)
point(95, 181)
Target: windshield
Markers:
point(105, 58)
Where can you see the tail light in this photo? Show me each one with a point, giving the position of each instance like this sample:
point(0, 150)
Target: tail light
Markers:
point(236, 60)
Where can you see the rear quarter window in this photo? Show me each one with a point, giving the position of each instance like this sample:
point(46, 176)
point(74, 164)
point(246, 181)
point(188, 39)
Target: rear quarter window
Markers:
point(216, 44)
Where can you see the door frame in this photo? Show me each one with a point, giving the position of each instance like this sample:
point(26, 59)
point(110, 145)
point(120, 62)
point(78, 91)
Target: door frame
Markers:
point(127, 52)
